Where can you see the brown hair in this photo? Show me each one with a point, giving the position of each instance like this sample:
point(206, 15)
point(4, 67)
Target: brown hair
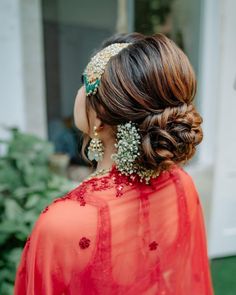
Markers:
point(151, 82)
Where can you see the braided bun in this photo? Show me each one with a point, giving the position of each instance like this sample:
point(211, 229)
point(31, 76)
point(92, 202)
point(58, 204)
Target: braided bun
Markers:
point(170, 136)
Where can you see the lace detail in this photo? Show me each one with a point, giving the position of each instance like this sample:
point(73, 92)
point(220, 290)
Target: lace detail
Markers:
point(114, 179)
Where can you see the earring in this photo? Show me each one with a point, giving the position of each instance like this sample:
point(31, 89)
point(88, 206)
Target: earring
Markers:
point(96, 148)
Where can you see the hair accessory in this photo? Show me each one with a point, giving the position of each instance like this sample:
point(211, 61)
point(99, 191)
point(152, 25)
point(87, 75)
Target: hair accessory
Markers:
point(128, 140)
point(96, 67)
point(96, 148)
point(128, 150)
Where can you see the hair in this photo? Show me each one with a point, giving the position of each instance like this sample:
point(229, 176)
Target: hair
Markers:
point(151, 82)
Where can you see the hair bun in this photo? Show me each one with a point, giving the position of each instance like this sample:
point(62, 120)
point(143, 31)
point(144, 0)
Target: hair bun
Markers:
point(152, 83)
point(170, 136)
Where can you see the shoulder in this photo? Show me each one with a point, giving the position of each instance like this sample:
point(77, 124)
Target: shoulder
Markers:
point(65, 234)
point(65, 218)
point(190, 190)
point(186, 180)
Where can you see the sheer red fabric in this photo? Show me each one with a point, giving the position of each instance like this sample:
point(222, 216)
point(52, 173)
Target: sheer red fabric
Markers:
point(116, 235)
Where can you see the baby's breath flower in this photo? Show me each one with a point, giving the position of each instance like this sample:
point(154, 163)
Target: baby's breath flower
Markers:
point(128, 150)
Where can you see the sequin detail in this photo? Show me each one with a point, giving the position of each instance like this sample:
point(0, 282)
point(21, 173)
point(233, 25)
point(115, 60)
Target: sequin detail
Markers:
point(153, 246)
point(84, 243)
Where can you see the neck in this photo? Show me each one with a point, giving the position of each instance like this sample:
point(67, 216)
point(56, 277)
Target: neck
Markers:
point(107, 162)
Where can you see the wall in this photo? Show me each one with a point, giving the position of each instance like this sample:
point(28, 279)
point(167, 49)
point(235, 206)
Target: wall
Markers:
point(215, 174)
point(22, 95)
point(222, 240)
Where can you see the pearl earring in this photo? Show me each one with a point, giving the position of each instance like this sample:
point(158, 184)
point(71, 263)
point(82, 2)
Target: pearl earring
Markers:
point(96, 148)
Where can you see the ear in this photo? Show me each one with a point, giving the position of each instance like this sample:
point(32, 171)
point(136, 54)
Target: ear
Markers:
point(98, 123)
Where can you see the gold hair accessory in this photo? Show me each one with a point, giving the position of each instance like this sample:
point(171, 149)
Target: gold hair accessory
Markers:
point(96, 67)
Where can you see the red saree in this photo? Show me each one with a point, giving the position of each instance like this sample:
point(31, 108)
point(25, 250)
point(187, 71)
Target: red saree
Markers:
point(112, 235)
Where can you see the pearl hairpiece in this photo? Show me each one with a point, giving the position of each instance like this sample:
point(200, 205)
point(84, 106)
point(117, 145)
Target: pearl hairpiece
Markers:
point(128, 142)
point(96, 67)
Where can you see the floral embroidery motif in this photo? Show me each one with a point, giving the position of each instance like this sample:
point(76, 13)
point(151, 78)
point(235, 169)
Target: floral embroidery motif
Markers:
point(84, 243)
point(153, 246)
point(113, 179)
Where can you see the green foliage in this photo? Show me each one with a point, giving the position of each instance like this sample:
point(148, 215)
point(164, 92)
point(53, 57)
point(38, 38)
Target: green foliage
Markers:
point(26, 186)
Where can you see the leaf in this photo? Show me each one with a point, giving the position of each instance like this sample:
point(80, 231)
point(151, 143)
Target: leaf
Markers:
point(27, 185)
point(12, 209)
point(30, 216)
point(14, 255)
point(6, 288)
point(12, 228)
point(32, 201)
point(3, 238)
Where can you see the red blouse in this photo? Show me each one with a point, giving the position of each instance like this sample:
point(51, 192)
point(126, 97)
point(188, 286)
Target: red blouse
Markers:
point(116, 235)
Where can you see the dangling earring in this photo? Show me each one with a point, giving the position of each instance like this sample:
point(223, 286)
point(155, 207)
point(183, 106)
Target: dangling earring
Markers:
point(96, 148)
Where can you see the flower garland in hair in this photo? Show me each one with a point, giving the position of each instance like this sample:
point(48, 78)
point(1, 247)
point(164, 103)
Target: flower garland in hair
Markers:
point(128, 144)
point(128, 140)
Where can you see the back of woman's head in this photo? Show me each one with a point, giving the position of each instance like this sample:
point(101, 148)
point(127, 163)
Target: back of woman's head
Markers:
point(151, 82)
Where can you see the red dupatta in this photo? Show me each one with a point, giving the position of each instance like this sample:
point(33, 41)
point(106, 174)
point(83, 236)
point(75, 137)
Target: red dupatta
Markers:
point(115, 235)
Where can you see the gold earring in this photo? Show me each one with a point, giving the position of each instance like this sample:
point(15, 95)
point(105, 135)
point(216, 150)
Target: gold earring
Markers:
point(96, 148)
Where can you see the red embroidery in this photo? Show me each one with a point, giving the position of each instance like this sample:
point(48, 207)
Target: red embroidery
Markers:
point(84, 243)
point(45, 209)
point(153, 246)
point(111, 180)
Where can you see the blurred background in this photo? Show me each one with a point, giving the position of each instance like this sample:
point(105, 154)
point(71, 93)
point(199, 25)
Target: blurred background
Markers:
point(44, 47)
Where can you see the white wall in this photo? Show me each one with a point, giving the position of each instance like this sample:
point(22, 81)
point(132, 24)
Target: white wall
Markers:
point(22, 98)
point(214, 171)
point(12, 104)
point(223, 218)
point(33, 67)
point(218, 104)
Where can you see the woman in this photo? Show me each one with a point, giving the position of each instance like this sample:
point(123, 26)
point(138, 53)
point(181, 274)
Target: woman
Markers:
point(135, 225)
